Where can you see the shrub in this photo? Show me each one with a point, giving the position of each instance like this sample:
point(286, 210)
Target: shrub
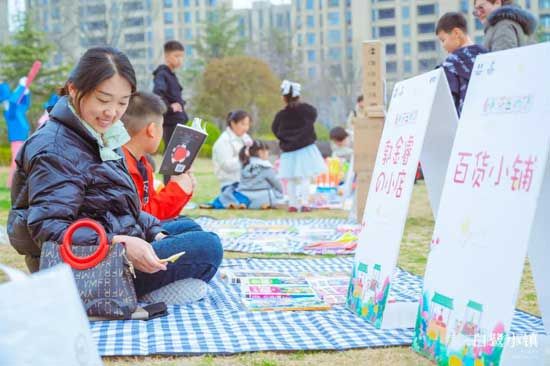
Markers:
point(5, 155)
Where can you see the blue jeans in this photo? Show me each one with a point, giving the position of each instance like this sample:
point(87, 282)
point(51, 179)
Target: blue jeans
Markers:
point(203, 255)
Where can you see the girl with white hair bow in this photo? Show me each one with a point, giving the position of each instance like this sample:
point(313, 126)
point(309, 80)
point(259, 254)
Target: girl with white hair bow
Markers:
point(301, 159)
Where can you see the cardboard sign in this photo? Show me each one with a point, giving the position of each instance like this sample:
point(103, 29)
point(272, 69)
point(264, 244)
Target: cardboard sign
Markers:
point(420, 124)
point(495, 201)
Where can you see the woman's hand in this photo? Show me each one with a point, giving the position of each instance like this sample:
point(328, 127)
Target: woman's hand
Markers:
point(141, 254)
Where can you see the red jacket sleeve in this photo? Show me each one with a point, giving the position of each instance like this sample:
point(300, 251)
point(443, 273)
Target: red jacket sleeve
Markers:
point(165, 204)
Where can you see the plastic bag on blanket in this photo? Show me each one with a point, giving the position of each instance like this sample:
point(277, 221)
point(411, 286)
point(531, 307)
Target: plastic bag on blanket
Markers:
point(42, 320)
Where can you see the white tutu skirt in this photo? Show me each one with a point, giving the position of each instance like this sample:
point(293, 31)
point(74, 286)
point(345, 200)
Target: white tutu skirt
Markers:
point(305, 162)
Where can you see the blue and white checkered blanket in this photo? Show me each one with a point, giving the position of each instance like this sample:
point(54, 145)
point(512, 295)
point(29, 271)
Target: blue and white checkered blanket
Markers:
point(274, 236)
point(220, 324)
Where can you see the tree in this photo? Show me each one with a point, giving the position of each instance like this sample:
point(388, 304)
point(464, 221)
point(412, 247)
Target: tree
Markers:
point(16, 59)
point(238, 82)
point(220, 37)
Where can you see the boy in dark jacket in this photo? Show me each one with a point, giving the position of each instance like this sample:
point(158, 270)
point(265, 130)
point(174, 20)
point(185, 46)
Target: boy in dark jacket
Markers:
point(167, 86)
point(452, 31)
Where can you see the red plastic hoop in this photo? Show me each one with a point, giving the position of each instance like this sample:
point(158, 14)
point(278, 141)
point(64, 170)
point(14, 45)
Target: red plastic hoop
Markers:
point(93, 259)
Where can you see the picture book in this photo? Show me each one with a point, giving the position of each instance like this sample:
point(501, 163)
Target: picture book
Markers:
point(285, 304)
point(183, 147)
point(332, 288)
point(236, 275)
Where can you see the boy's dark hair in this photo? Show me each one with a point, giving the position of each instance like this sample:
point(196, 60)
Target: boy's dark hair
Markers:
point(248, 151)
point(338, 134)
point(237, 116)
point(96, 65)
point(172, 46)
point(450, 21)
point(142, 108)
point(360, 98)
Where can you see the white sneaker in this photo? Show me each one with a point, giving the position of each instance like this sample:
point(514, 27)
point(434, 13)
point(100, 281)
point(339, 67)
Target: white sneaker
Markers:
point(179, 292)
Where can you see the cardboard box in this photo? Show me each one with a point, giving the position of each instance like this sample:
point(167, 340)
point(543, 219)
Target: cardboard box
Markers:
point(366, 138)
point(363, 179)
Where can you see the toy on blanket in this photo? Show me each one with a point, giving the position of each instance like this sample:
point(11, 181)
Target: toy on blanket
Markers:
point(344, 245)
point(327, 193)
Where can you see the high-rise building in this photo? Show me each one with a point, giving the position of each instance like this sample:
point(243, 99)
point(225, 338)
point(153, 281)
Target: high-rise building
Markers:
point(266, 30)
point(138, 27)
point(257, 24)
point(74, 26)
point(323, 36)
point(184, 21)
point(4, 21)
point(407, 29)
point(323, 42)
point(544, 19)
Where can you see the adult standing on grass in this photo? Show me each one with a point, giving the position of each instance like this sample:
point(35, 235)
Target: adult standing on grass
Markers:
point(225, 152)
point(73, 168)
point(300, 159)
point(506, 25)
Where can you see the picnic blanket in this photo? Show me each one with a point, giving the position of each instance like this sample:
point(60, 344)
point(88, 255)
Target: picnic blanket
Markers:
point(219, 324)
point(279, 236)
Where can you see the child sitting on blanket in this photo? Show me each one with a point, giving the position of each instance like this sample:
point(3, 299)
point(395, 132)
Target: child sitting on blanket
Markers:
point(340, 144)
point(143, 121)
point(259, 187)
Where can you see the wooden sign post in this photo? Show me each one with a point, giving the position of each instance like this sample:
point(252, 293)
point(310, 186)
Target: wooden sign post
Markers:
point(368, 130)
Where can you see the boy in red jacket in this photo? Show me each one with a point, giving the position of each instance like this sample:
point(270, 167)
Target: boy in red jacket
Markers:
point(143, 121)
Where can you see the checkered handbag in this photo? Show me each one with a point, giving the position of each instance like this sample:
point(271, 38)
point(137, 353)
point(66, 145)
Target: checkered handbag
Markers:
point(103, 273)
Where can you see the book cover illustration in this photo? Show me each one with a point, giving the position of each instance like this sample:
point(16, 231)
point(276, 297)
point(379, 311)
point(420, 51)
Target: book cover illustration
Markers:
point(332, 288)
point(184, 145)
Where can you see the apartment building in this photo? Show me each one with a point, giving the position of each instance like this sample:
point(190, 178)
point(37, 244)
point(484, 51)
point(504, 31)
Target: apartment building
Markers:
point(323, 36)
point(407, 30)
point(266, 30)
point(138, 27)
point(4, 21)
point(184, 20)
point(258, 24)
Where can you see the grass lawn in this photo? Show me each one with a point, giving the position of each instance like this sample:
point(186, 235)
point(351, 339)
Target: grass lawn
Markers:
point(414, 251)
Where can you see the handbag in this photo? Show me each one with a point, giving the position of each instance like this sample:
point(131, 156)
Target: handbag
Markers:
point(103, 273)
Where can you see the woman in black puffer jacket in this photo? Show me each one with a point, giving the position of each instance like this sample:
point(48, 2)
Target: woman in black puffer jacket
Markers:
point(73, 168)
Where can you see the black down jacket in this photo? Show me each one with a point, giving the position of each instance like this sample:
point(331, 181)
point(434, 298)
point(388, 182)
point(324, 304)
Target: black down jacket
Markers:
point(60, 178)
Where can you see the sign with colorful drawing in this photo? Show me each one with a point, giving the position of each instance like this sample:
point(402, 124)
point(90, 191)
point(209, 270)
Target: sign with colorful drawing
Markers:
point(491, 212)
point(420, 126)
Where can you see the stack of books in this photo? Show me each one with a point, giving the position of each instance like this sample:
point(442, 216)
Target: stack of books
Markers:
point(276, 291)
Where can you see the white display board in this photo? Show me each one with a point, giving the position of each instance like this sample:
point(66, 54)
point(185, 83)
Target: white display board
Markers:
point(495, 202)
point(420, 125)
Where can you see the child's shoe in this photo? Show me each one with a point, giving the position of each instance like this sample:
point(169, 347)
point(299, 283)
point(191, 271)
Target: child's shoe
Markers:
point(292, 209)
point(242, 206)
point(306, 209)
point(176, 293)
point(265, 206)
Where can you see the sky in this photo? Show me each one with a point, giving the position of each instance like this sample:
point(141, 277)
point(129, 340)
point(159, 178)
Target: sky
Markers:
point(239, 4)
